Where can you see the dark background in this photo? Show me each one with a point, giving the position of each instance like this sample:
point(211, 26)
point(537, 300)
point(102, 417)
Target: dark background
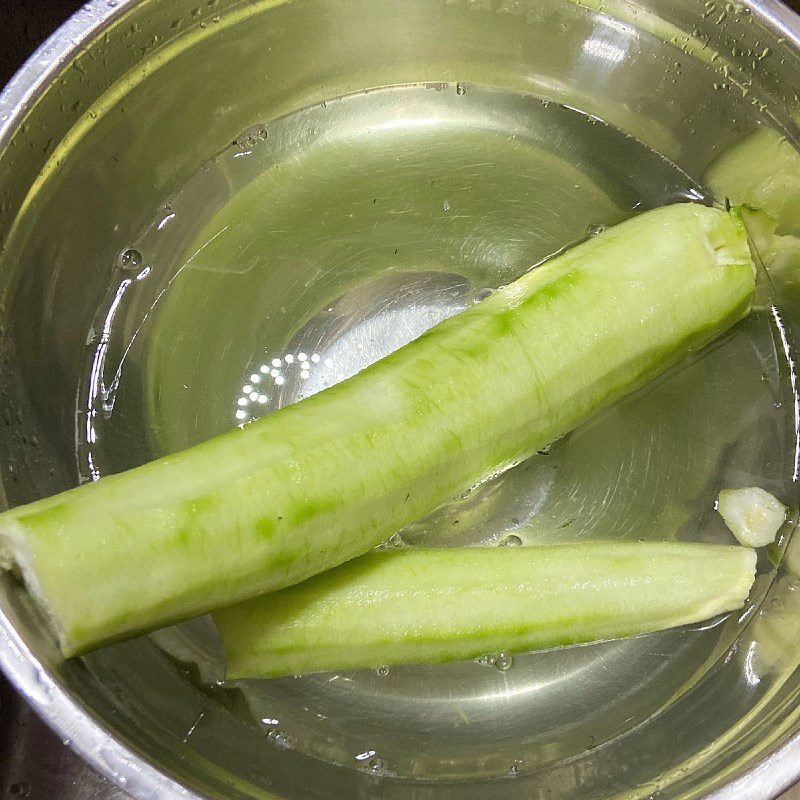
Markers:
point(24, 24)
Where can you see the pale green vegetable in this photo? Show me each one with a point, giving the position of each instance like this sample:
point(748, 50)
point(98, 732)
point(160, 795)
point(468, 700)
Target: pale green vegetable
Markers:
point(761, 175)
point(761, 172)
point(325, 480)
point(753, 515)
point(419, 606)
point(775, 632)
point(780, 255)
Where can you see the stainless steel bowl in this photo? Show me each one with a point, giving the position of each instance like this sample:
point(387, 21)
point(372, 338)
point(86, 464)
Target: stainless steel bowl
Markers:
point(126, 116)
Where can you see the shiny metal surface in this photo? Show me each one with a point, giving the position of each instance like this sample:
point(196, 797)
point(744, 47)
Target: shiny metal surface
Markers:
point(109, 120)
point(37, 765)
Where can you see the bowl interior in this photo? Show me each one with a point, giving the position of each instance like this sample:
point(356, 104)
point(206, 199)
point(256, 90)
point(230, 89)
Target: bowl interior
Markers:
point(219, 209)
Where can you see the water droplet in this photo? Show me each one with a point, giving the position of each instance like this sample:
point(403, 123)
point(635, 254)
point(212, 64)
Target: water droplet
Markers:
point(481, 295)
point(375, 765)
point(512, 541)
point(383, 671)
point(503, 661)
point(446, 205)
point(515, 767)
point(461, 89)
point(595, 228)
point(130, 258)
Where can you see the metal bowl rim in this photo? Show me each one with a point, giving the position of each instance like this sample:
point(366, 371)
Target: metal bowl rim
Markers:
point(78, 729)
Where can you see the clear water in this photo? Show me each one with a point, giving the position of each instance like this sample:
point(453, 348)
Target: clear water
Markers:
point(319, 242)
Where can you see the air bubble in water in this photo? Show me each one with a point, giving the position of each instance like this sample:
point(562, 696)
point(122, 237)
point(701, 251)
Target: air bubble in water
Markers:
point(383, 671)
point(481, 295)
point(461, 89)
point(503, 661)
point(512, 541)
point(395, 540)
point(595, 228)
point(130, 258)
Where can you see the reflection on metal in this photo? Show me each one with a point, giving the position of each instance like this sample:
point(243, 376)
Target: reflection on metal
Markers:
point(607, 51)
point(787, 353)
